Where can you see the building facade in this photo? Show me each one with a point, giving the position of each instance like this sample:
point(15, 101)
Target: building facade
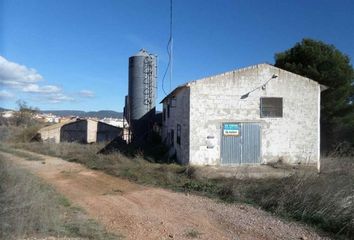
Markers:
point(82, 131)
point(255, 115)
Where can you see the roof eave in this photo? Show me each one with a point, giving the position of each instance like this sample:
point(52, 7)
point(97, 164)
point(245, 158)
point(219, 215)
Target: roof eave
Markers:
point(174, 91)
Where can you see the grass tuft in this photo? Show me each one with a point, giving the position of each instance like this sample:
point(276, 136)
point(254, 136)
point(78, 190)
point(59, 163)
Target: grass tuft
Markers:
point(325, 201)
point(192, 233)
point(30, 208)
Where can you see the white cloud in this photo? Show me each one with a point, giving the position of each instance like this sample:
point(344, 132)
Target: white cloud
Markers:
point(34, 88)
point(21, 78)
point(87, 93)
point(24, 79)
point(59, 97)
point(13, 74)
point(5, 95)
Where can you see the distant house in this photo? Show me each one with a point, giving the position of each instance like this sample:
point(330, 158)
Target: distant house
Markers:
point(82, 131)
point(118, 122)
point(259, 114)
point(7, 114)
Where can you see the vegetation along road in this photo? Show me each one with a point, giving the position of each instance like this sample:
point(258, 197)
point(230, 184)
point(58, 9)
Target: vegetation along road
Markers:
point(140, 212)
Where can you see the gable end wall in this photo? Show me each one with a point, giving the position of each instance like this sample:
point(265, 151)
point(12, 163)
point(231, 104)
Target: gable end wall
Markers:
point(179, 114)
point(294, 138)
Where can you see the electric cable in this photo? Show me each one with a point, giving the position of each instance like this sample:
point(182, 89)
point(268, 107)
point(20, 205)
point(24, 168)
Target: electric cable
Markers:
point(169, 52)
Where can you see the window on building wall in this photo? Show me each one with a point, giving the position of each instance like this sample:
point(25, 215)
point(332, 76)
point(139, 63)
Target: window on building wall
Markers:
point(168, 110)
point(168, 138)
point(173, 102)
point(172, 137)
point(178, 140)
point(164, 114)
point(271, 107)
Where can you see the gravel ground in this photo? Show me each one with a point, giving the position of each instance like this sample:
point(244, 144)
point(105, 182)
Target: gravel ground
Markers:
point(51, 238)
point(139, 212)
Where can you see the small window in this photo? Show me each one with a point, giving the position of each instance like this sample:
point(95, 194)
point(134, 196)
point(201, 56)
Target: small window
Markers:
point(173, 102)
point(164, 114)
point(271, 107)
point(168, 110)
point(178, 140)
point(172, 136)
point(168, 138)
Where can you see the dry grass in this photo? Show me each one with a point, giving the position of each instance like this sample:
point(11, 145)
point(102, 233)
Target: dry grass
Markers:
point(25, 155)
point(30, 208)
point(325, 201)
point(18, 134)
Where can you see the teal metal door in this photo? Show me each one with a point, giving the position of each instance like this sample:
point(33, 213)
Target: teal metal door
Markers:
point(240, 143)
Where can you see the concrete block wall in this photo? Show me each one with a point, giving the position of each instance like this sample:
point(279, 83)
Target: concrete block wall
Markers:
point(179, 114)
point(91, 131)
point(50, 134)
point(106, 132)
point(74, 132)
point(85, 131)
point(294, 138)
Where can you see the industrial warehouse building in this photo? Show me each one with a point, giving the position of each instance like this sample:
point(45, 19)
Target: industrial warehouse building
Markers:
point(258, 114)
point(82, 131)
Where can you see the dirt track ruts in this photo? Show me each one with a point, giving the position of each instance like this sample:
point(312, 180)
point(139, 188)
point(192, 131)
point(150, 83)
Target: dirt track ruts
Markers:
point(140, 212)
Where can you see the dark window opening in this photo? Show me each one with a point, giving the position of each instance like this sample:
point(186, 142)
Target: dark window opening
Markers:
point(172, 136)
point(173, 102)
point(168, 138)
point(178, 140)
point(168, 110)
point(271, 107)
point(164, 114)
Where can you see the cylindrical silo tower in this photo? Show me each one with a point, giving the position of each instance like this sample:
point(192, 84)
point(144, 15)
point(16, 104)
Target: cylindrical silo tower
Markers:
point(141, 92)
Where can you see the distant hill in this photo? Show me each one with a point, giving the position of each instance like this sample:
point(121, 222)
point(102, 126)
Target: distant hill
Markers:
point(4, 109)
point(76, 113)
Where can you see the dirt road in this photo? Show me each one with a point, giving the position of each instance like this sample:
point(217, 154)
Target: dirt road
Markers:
point(139, 212)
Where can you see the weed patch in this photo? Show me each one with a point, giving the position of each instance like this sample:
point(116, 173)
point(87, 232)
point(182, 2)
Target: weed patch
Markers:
point(31, 208)
point(63, 201)
point(193, 233)
point(325, 201)
point(27, 156)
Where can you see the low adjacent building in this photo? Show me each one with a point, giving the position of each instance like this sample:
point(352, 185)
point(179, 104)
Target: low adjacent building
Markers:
point(51, 133)
point(254, 115)
point(81, 130)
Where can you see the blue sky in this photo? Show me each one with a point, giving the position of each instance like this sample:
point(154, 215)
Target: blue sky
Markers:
point(73, 54)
